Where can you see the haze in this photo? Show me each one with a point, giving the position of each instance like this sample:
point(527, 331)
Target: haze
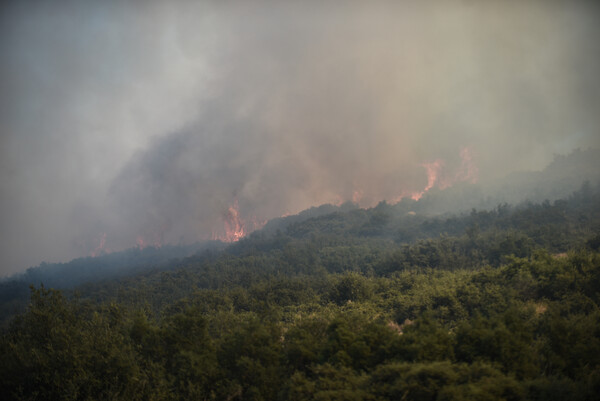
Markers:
point(124, 122)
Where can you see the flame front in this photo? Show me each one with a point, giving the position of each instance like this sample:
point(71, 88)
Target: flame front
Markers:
point(467, 172)
point(438, 176)
point(235, 227)
point(433, 176)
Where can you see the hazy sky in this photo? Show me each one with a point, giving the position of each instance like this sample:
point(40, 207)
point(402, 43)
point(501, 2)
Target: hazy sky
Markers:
point(146, 121)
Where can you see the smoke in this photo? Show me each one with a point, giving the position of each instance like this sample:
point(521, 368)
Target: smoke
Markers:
point(127, 123)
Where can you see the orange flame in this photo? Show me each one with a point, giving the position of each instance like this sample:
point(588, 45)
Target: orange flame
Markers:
point(439, 175)
point(235, 227)
point(467, 172)
point(433, 176)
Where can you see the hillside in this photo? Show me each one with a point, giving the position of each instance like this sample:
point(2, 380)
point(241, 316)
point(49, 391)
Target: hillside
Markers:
point(382, 303)
point(294, 201)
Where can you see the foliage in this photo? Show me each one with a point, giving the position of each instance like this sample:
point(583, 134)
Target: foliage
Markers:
point(486, 306)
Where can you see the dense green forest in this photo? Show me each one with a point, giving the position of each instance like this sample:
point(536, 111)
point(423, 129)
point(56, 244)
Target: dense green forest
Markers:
point(378, 304)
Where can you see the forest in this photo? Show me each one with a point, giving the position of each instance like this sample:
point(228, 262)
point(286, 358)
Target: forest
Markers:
point(341, 304)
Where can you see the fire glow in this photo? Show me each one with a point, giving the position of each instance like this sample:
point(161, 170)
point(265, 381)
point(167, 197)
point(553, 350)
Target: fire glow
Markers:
point(235, 227)
point(438, 176)
point(433, 176)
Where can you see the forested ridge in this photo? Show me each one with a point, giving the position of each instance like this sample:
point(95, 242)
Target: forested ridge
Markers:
point(375, 304)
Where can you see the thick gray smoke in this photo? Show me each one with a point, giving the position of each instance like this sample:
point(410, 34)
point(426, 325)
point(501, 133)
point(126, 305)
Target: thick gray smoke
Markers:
point(145, 122)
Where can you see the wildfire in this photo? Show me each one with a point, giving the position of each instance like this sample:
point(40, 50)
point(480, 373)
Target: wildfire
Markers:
point(433, 176)
point(438, 176)
point(235, 227)
point(467, 172)
point(439, 173)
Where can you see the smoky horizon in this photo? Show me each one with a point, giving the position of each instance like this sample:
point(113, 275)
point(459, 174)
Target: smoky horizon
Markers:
point(144, 123)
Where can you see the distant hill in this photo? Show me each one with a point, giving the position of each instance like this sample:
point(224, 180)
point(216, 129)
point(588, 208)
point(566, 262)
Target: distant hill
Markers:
point(440, 212)
point(108, 265)
point(563, 176)
point(14, 290)
point(392, 302)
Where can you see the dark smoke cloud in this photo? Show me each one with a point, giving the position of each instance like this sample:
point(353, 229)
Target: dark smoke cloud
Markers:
point(149, 120)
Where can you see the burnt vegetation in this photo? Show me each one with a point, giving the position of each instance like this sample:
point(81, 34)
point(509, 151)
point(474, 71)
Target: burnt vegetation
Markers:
point(340, 303)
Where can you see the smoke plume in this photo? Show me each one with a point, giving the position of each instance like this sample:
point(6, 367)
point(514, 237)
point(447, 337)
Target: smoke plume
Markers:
point(147, 122)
